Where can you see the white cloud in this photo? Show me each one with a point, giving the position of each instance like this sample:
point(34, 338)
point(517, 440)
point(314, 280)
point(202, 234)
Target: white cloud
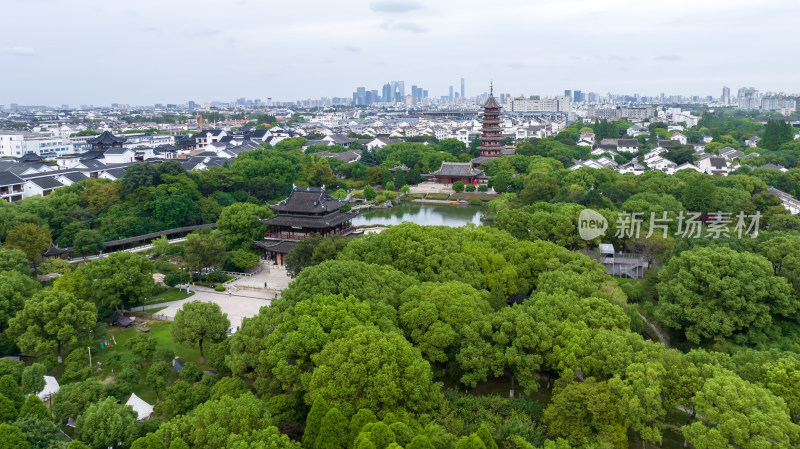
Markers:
point(17, 50)
point(395, 6)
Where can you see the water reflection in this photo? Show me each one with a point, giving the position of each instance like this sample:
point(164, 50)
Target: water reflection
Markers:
point(422, 214)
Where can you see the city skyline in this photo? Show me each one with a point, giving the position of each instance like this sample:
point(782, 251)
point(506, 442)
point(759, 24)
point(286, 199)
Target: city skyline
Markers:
point(88, 53)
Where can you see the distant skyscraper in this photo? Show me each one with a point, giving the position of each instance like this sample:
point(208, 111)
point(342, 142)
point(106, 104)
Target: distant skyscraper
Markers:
point(578, 96)
point(361, 95)
point(451, 94)
point(462, 89)
point(386, 95)
point(726, 95)
point(567, 93)
point(398, 90)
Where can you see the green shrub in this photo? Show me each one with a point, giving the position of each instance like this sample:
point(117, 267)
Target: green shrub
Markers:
point(470, 187)
point(163, 265)
point(59, 266)
point(483, 188)
point(458, 186)
point(219, 288)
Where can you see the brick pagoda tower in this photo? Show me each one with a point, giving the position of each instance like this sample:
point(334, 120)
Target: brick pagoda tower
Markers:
point(491, 137)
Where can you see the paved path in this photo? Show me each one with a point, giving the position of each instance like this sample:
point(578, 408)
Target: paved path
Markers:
point(269, 282)
point(237, 306)
point(244, 297)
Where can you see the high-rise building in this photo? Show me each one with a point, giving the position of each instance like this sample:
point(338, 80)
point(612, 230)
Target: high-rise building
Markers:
point(578, 96)
point(361, 95)
point(726, 95)
point(398, 91)
point(749, 98)
point(387, 93)
point(451, 94)
point(568, 93)
point(462, 89)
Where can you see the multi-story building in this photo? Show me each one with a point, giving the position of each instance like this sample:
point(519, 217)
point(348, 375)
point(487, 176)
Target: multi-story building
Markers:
point(538, 104)
point(749, 98)
point(726, 95)
point(19, 143)
point(11, 187)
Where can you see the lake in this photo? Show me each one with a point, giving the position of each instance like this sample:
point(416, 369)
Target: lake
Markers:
point(428, 214)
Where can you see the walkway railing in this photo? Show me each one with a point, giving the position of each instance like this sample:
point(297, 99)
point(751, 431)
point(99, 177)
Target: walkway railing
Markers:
point(284, 236)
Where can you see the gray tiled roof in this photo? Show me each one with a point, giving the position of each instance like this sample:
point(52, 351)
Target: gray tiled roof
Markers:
point(46, 183)
point(456, 169)
point(8, 178)
point(308, 200)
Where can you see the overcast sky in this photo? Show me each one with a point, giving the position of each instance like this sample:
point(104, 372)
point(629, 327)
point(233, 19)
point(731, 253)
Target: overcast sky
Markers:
point(172, 51)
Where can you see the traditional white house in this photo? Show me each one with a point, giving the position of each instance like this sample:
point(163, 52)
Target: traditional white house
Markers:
point(679, 137)
point(637, 130)
point(380, 142)
point(628, 145)
point(119, 155)
point(661, 164)
point(714, 165)
point(699, 146)
point(41, 186)
point(729, 153)
point(752, 142)
point(690, 166)
point(632, 167)
point(599, 151)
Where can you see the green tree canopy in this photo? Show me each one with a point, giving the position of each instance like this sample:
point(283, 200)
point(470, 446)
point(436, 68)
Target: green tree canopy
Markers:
point(31, 239)
point(87, 241)
point(203, 250)
point(119, 280)
point(198, 323)
point(107, 424)
point(50, 321)
point(374, 370)
point(715, 292)
point(239, 222)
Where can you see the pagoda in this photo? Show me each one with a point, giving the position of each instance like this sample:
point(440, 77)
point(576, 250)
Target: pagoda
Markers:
point(491, 133)
point(491, 138)
point(306, 211)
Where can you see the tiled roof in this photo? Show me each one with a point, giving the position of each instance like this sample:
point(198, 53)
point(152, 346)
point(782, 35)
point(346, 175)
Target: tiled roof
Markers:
point(46, 183)
point(308, 200)
point(456, 169)
point(106, 139)
point(8, 178)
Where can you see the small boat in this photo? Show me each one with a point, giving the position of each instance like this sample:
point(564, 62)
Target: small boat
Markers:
point(460, 202)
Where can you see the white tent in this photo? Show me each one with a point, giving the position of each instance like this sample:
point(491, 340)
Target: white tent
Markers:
point(142, 409)
point(50, 388)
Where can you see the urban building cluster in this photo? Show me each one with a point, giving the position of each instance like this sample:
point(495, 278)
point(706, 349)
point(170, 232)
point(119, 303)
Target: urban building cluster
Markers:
point(43, 148)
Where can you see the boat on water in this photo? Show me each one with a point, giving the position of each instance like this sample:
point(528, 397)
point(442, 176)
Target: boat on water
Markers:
point(460, 202)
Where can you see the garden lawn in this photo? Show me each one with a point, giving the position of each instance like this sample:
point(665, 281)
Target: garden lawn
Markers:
point(160, 330)
point(173, 294)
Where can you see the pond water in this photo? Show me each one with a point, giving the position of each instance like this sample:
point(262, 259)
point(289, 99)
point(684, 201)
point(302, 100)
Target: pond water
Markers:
point(428, 214)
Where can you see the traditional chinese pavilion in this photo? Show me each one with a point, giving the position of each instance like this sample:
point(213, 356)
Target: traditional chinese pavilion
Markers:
point(306, 211)
point(105, 141)
point(463, 172)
